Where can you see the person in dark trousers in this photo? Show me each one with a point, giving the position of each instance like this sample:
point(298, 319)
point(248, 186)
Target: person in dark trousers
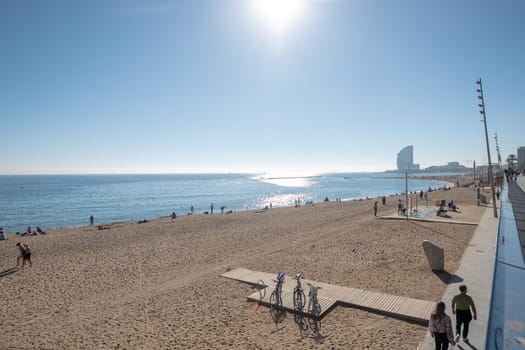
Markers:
point(375, 208)
point(27, 255)
point(462, 304)
point(440, 327)
point(91, 220)
point(211, 209)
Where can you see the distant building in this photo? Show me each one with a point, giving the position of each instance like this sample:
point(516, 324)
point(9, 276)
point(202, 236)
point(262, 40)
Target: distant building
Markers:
point(451, 167)
point(405, 159)
point(521, 157)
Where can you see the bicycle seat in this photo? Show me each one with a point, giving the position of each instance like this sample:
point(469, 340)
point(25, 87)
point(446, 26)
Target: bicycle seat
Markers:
point(298, 276)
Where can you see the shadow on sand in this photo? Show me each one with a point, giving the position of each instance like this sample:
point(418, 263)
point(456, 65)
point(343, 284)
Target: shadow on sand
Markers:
point(8, 272)
point(447, 278)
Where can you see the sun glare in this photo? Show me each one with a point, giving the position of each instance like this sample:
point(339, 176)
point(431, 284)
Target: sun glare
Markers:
point(278, 15)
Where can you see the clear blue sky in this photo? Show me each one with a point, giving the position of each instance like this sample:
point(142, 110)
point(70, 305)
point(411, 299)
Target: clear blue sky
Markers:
point(228, 85)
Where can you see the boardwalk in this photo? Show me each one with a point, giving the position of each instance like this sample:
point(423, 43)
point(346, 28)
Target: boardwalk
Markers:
point(413, 310)
point(287, 300)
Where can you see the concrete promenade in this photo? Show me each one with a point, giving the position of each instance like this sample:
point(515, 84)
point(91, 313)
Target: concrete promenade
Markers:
point(476, 270)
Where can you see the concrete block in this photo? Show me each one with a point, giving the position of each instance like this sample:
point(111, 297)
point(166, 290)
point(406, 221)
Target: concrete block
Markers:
point(435, 255)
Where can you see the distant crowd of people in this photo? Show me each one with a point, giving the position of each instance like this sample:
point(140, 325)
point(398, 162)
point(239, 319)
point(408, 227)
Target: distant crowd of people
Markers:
point(30, 232)
point(512, 174)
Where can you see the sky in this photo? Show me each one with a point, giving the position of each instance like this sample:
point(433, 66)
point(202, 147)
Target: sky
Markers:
point(256, 85)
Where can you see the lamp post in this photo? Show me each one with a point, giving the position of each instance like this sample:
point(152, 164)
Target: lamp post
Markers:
point(500, 172)
point(481, 105)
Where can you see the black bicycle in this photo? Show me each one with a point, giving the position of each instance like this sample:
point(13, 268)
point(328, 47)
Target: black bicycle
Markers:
point(299, 301)
point(276, 300)
point(299, 298)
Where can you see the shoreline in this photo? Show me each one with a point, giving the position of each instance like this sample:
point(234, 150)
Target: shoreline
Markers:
point(356, 199)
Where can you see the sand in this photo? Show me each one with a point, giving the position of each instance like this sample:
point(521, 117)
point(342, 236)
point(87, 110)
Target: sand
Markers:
point(157, 286)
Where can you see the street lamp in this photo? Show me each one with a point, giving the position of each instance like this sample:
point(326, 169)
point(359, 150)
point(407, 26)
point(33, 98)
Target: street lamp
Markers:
point(482, 111)
point(500, 172)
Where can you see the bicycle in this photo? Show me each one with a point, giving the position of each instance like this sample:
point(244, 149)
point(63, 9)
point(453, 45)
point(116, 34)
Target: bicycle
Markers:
point(314, 309)
point(276, 301)
point(299, 300)
point(298, 294)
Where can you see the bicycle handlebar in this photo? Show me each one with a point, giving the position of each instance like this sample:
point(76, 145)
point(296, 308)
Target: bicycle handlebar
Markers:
point(311, 285)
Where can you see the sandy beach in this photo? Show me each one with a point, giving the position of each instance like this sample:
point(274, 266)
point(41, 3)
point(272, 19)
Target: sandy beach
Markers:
point(156, 285)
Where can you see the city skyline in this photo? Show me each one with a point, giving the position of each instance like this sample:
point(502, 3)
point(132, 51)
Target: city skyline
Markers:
point(255, 86)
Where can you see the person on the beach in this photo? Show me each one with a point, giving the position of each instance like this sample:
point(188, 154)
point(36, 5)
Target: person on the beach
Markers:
point(192, 209)
point(222, 209)
point(21, 253)
point(2, 237)
point(91, 220)
point(462, 304)
point(399, 207)
point(383, 200)
point(375, 208)
point(27, 255)
point(211, 209)
point(173, 215)
point(440, 327)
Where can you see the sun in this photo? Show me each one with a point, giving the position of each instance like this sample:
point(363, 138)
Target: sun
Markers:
point(278, 15)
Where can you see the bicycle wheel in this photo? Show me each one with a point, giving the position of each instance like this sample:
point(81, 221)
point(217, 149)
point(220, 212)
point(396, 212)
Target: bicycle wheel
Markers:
point(298, 300)
point(276, 310)
point(316, 310)
point(275, 300)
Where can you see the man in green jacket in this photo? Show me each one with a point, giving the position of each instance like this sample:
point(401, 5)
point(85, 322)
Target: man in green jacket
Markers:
point(462, 304)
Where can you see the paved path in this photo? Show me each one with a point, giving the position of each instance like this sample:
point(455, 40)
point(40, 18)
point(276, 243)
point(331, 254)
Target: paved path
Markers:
point(521, 182)
point(476, 270)
point(414, 310)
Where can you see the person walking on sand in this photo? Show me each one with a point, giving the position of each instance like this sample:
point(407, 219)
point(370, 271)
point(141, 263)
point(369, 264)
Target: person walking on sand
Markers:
point(91, 220)
point(27, 255)
point(375, 208)
point(440, 327)
point(462, 304)
point(399, 207)
point(211, 209)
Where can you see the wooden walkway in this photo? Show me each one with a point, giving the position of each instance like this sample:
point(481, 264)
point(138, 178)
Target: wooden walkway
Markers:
point(409, 309)
point(287, 300)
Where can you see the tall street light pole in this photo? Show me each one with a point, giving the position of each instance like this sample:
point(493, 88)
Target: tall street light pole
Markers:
point(482, 111)
point(500, 172)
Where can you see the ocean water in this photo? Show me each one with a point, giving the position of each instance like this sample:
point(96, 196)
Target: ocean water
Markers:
point(53, 201)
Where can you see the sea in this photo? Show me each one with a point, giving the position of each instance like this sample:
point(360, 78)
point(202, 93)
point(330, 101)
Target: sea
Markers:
point(55, 201)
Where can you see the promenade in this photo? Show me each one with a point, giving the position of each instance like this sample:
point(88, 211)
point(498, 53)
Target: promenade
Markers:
point(476, 271)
